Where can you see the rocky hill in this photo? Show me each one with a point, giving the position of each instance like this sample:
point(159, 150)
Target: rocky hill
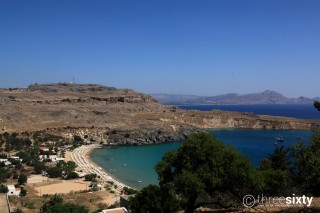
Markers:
point(266, 97)
point(133, 118)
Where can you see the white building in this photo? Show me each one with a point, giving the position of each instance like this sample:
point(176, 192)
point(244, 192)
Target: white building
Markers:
point(81, 174)
point(15, 158)
point(5, 161)
point(13, 190)
point(116, 210)
point(59, 159)
point(53, 158)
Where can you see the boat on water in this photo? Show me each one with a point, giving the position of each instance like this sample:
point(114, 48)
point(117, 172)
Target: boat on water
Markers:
point(280, 139)
point(139, 181)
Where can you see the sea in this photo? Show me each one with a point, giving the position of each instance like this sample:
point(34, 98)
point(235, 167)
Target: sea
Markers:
point(302, 111)
point(134, 165)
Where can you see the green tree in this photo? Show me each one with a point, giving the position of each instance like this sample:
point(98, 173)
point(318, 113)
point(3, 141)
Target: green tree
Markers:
point(3, 189)
point(22, 179)
point(279, 159)
point(39, 167)
point(77, 139)
point(90, 177)
point(23, 192)
point(305, 163)
point(154, 199)
point(204, 171)
point(70, 166)
point(275, 182)
point(305, 169)
point(4, 173)
point(129, 191)
point(317, 105)
point(72, 175)
point(54, 172)
point(56, 205)
point(67, 167)
point(274, 173)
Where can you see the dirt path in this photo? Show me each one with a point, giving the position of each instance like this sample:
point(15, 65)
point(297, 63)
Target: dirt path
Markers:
point(3, 204)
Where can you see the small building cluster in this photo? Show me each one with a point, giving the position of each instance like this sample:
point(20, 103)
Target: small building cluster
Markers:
point(51, 158)
point(7, 161)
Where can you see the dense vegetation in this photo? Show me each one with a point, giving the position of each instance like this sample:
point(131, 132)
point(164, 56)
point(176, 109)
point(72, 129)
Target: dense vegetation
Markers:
point(205, 172)
point(26, 146)
point(56, 205)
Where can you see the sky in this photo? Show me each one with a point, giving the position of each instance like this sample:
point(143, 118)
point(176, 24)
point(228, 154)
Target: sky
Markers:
point(199, 47)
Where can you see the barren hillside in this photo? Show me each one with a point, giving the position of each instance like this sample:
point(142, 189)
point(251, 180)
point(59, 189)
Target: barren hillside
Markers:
point(87, 108)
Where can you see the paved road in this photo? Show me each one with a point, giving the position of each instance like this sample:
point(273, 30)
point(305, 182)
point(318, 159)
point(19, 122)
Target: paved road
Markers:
point(3, 204)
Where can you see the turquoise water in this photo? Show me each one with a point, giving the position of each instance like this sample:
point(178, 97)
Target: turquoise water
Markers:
point(130, 164)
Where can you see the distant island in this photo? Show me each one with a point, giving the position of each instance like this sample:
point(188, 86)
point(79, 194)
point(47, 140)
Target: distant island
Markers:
point(266, 97)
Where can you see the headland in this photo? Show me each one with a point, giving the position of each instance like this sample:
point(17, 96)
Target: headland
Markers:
point(117, 116)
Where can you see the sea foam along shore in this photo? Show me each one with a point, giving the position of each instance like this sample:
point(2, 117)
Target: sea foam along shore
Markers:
point(81, 157)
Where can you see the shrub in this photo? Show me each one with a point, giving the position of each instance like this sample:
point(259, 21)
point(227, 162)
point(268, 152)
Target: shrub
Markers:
point(3, 189)
point(22, 179)
point(23, 192)
point(129, 191)
point(90, 177)
point(72, 175)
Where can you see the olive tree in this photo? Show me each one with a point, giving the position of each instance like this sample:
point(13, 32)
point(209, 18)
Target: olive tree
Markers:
point(205, 171)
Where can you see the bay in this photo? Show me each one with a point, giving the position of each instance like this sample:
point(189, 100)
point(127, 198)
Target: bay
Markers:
point(130, 164)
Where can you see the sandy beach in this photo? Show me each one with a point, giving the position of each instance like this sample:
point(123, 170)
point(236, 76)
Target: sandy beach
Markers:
point(81, 156)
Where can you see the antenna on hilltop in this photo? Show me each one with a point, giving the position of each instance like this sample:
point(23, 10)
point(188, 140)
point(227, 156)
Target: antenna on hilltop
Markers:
point(73, 79)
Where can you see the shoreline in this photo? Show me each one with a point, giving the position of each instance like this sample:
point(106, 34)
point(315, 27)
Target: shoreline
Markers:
point(81, 156)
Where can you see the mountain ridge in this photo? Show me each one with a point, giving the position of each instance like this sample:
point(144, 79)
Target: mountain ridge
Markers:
point(265, 97)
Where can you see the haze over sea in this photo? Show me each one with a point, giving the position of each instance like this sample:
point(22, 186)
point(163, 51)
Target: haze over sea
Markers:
point(136, 163)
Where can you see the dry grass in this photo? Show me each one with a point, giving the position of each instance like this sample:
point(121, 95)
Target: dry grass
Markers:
point(92, 200)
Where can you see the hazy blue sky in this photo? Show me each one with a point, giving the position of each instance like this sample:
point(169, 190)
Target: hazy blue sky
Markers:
point(203, 47)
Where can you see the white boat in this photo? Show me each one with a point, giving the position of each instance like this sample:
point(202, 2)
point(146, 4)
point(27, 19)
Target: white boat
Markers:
point(280, 139)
